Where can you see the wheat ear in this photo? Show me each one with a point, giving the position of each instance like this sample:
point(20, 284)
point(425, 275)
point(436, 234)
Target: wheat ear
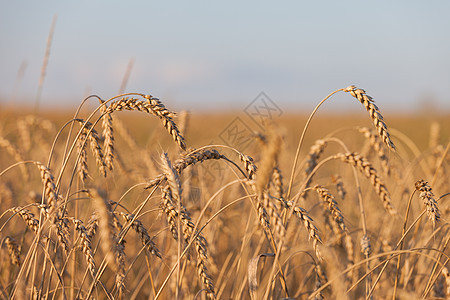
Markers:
point(143, 234)
point(377, 145)
point(250, 166)
point(366, 168)
point(375, 114)
point(427, 197)
point(82, 166)
point(95, 145)
point(108, 135)
point(86, 245)
point(174, 184)
point(314, 153)
point(308, 222)
point(153, 106)
point(337, 180)
point(28, 217)
point(186, 160)
point(13, 250)
point(330, 203)
point(106, 227)
point(14, 152)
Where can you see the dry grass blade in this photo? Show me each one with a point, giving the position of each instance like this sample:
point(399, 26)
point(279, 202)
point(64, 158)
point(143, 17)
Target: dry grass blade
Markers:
point(252, 272)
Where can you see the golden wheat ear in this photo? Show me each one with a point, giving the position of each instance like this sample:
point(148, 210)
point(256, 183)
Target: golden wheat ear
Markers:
point(427, 197)
point(374, 112)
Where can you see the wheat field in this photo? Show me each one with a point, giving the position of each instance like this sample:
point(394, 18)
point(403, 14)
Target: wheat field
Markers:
point(125, 199)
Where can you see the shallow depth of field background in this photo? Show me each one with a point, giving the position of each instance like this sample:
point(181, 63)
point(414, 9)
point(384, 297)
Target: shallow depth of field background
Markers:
point(232, 73)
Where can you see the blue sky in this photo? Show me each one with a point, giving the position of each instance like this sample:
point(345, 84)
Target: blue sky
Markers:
point(221, 55)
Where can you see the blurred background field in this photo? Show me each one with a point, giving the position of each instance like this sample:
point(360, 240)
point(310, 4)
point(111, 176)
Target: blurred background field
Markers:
point(241, 79)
